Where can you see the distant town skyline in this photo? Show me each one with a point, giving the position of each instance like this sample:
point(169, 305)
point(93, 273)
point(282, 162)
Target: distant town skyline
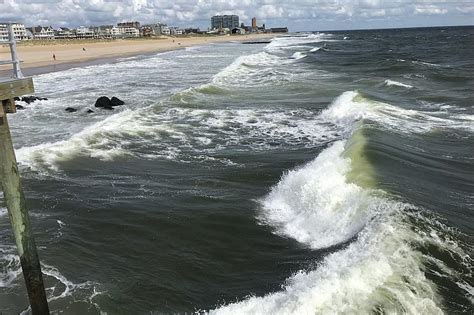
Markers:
point(299, 15)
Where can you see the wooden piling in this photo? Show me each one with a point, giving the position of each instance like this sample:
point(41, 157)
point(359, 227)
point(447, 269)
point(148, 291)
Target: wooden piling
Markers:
point(20, 221)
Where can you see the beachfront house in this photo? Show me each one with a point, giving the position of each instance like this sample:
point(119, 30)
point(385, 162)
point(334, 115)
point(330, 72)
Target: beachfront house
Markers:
point(102, 31)
point(147, 31)
point(126, 29)
point(175, 31)
point(42, 32)
point(165, 30)
point(64, 33)
point(84, 32)
point(19, 32)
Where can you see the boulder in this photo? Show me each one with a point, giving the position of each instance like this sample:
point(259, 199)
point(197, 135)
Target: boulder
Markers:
point(89, 111)
point(28, 99)
point(19, 107)
point(114, 101)
point(103, 102)
point(31, 99)
point(16, 98)
point(70, 109)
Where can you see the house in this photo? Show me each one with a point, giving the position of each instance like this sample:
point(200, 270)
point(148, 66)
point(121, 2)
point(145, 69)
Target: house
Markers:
point(64, 33)
point(102, 31)
point(19, 32)
point(84, 32)
point(175, 31)
point(126, 29)
point(147, 30)
point(42, 32)
point(165, 30)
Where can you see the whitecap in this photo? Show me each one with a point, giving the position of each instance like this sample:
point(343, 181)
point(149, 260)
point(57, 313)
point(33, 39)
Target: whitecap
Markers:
point(396, 83)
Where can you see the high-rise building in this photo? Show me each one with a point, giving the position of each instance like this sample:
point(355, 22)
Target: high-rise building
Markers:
point(224, 21)
point(254, 23)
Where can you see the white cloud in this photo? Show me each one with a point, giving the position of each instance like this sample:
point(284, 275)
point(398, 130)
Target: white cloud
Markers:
point(430, 9)
point(198, 12)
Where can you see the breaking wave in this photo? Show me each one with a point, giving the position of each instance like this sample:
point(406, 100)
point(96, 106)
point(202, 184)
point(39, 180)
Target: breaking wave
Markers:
point(334, 200)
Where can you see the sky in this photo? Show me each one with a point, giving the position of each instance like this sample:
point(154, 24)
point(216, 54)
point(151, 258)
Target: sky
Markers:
point(298, 15)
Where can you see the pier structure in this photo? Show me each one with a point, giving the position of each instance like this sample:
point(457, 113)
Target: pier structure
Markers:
point(13, 195)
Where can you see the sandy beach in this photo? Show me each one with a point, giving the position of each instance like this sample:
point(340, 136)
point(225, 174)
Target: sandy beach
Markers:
point(35, 55)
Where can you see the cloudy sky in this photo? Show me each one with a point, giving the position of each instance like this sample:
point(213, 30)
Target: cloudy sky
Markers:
point(298, 15)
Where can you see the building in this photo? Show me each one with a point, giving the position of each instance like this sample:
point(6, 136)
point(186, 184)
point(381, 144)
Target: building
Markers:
point(84, 32)
point(64, 33)
point(19, 32)
point(224, 21)
point(192, 30)
point(165, 30)
point(102, 31)
point(279, 29)
point(254, 23)
point(175, 31)
point(147, 31)
point(42, 32)
point(126, 29)
point(129, 24)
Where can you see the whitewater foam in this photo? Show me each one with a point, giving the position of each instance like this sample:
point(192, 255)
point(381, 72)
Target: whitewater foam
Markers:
point(378, 271)
point(260, 69)
point(332, 200)
point(396, 83)
point(315, 204)
point(281, 43)
point(10, 267)
point(298, 55)
point(351, 107)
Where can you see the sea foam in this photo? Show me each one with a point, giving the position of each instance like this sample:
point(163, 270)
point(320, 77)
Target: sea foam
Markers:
point(396, 83)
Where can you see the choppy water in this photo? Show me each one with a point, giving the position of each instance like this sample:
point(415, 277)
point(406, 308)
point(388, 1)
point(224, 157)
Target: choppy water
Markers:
point(321, 173)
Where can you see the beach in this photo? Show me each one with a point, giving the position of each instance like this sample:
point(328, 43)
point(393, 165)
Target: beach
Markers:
point(39, 55)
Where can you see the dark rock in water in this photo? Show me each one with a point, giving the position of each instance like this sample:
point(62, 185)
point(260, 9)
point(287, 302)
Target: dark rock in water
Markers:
point(16, 98)
point(116, 101)
point(104, 102)
point(28, 99)
point(108, 107)
point(70, 110)
point(31, 99)
point(89, 111)
point(19, 107)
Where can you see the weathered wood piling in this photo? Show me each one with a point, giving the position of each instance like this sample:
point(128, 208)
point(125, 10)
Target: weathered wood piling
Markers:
point(12, 190)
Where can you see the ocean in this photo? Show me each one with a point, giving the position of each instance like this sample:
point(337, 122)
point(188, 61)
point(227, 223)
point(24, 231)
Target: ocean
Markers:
point(322, 173)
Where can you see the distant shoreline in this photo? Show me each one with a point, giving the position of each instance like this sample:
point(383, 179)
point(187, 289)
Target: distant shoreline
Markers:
point(37, 58)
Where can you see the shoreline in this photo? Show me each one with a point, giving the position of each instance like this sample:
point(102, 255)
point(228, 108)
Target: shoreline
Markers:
point(37, 59)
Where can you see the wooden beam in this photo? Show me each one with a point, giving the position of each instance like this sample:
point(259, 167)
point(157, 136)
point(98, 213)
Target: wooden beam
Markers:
point(16, 87)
